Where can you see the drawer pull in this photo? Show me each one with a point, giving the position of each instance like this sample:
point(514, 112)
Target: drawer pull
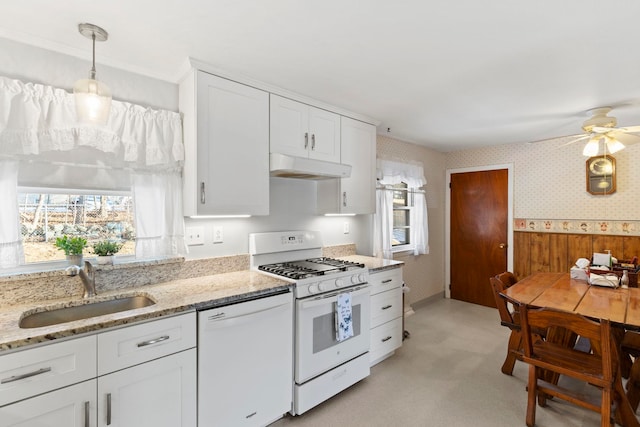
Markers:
point(387, 281)
point(153, 341)
point(86, 414)
point(27, 375)
point(386, 339)
point(108, 409)
point(386, 307)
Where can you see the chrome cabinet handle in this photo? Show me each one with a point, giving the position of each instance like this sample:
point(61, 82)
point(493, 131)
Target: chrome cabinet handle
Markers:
point(344, 199)
point(86, 414)
point(386, 307)
point(202, 193)
point(386, 339)
point(387, 281)
point(306, 140)
point(23, 376)
point(108, 409)
point(313, 141)
point(153, 341)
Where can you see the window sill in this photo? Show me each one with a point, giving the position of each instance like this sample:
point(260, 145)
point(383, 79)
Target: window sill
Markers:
point(57, 268)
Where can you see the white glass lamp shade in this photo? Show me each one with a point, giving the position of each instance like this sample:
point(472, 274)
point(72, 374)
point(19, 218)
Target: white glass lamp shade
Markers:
point(592, 147)
point(613, 145)
point(93, 101)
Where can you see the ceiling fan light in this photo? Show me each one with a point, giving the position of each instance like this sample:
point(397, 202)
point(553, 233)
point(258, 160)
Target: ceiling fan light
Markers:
point(613, 145)
point(93, 101)
point(592, 148)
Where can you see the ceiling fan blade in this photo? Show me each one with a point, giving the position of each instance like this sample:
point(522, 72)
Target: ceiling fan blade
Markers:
point(574, 140)
point(601, 129)
point(630, 129)
point(626, 138)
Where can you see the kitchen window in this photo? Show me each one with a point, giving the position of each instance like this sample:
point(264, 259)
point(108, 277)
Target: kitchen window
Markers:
point(46, 215)
point(400, 222)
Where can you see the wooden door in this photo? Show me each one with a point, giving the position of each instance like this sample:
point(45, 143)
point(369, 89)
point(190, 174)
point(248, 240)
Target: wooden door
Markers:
point(479, 215)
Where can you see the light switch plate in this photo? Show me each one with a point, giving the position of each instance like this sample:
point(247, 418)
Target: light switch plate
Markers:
point(345, 228)
point(218, 236)
point(194, 236)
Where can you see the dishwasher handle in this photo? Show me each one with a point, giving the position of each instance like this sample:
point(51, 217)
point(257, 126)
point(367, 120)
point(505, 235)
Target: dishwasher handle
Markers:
point(222, 320)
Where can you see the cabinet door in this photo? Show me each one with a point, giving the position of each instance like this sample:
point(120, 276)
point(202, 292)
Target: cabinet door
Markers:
point(324, 130)
point(358, 148)
point(232, 147)
point(160, 393)
point(73, 406)
point(289, 127)
point(356, 194)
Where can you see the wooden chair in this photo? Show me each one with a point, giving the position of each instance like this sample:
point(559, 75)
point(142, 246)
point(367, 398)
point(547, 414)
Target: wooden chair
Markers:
point(509, 319)
point(599, 368)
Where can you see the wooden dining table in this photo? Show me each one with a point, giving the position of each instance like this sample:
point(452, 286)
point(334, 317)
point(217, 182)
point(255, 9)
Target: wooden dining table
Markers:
point(560, 291)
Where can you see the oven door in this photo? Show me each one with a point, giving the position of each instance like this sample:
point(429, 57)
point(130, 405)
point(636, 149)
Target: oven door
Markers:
point(317, 349)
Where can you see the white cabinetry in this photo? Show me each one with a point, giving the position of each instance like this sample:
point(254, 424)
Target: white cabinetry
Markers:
point(355, 194)
point(226, 137)
point(145, 375)
point(40, 371)
point(386, 313)
point(301, 130)
point(148, 374)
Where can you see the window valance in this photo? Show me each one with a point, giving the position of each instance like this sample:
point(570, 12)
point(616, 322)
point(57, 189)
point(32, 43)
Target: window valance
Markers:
point(38, 121)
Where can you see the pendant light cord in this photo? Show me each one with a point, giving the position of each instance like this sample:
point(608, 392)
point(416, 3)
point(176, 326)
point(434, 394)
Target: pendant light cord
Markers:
point(93, 63)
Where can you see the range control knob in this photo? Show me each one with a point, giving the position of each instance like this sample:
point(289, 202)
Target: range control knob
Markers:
point(313, 289)
point(354, 280)
point(325, 287)
point(339, 283)
point(362, 278)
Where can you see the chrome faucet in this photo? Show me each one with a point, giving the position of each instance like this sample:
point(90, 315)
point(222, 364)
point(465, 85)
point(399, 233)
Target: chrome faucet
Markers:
point(87, 276)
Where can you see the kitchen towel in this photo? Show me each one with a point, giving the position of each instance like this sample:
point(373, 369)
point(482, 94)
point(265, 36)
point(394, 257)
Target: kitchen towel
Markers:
point(344, 320)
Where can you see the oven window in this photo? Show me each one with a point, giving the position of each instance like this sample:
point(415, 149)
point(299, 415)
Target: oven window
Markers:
point(324, 329)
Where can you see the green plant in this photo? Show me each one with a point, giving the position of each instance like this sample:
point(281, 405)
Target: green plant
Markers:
point(106, 248)
point(71, 245)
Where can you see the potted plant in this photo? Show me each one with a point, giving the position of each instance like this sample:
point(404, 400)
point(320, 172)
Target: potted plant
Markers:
point(72, 247)
point(105, 251)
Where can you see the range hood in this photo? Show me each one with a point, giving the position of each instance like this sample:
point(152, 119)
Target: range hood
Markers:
point(285, 166)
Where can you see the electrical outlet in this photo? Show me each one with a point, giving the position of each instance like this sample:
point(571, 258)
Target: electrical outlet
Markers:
point(218, 237)
point(195, 236)
point(345, 228)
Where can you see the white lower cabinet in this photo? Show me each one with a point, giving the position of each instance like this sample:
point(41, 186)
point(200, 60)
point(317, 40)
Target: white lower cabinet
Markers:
point(386, 313)
point(155, 394)
point(73, 406)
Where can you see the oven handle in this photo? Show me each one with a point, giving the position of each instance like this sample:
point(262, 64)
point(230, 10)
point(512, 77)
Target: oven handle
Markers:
point(322, 299)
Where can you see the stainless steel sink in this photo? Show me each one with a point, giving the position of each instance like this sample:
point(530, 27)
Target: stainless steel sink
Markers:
point(85, 311)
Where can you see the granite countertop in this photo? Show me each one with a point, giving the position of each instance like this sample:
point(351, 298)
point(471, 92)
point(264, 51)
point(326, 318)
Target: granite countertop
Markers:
point(374, 264)
point(171, 298)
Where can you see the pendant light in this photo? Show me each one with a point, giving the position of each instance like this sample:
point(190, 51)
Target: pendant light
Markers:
point(92, 97)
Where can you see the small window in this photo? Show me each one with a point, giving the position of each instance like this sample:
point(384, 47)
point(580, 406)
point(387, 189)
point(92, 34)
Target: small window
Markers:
point(44, 216)
point(401, 237)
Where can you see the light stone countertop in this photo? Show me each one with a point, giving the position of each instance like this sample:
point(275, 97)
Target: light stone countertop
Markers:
point(171, 298)
point(374, 264)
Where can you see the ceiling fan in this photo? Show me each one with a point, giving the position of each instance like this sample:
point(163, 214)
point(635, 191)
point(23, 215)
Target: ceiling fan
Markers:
point(602, 127)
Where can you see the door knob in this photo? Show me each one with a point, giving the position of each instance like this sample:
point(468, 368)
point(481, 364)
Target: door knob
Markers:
point(502, 245)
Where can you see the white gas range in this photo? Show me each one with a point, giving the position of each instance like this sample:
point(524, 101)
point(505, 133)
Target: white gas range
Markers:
point(325, 361)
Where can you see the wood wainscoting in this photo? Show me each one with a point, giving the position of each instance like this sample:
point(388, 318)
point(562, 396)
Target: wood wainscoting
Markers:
point(534, 252)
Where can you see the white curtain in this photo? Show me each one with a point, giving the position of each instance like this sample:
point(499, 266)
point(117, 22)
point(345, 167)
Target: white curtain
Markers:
point(11, 251)
point(39, 129)
point(390, 173)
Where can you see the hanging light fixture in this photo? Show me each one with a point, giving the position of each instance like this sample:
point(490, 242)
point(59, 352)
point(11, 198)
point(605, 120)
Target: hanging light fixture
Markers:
point(92, 97)
point(592, 148)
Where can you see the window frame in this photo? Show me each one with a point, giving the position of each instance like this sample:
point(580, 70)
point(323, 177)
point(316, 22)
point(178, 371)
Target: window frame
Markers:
point(408, 207)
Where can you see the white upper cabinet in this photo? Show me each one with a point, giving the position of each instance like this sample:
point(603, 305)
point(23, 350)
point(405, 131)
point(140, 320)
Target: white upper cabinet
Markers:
point(355, 194)
point(226, 137)
point(301, 130)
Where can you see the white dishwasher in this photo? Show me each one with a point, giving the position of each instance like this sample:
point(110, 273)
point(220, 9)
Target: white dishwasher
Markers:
point(245, 362)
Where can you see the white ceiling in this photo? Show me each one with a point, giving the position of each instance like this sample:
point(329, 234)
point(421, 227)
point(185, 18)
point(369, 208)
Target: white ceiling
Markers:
point(445, 74)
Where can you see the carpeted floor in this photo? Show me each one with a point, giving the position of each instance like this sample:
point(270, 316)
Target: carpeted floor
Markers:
point(446, 374)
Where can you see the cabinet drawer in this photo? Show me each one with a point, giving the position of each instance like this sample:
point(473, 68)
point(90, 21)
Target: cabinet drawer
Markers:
point(384, 280)
point(386, 306)
point(129, 346)
point(41, 369)
point(385, 339)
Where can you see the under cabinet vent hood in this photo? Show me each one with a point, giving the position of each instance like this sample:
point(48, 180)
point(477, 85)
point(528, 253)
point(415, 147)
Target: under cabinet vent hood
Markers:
point(284, 166)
